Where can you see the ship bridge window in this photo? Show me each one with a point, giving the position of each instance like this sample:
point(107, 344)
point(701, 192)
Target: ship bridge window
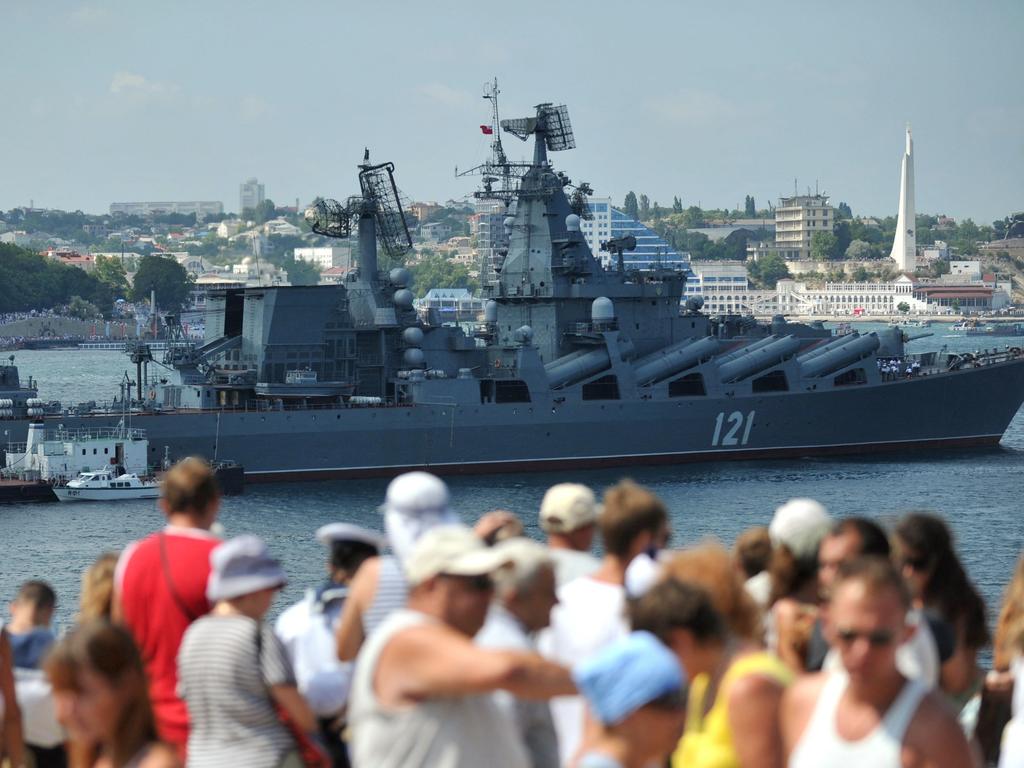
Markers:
point(774, 381)
point(511, 391)
point(691, 385)
point(853, 376)
point(605, 388)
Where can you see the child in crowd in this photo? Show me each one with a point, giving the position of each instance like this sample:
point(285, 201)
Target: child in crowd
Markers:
point(100, 697)
point(29, 629)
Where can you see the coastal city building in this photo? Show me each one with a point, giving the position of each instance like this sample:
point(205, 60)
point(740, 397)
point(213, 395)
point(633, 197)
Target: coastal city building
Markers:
point(229, 228)
point(436, 231)
point(423, 211)
point(201, 208)
point(487, 228)
point(281, 227)
point(652, 251)
point(724, 286)
point(797, 220)
point(325, 257)
point(853, 299)
point(449, 305)
point(72, 258)
point(904, 245)
point(250, 194)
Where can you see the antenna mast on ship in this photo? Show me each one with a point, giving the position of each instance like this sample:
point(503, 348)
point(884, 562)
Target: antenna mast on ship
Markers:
point(501, 176)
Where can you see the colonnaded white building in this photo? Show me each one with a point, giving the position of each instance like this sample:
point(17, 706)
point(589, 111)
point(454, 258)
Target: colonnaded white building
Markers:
point(791, 297)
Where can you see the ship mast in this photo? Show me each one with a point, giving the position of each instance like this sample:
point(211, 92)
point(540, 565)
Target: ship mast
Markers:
point(501, 176)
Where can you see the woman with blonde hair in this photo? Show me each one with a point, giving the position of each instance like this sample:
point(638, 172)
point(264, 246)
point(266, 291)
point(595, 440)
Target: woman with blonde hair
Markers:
point(97, 595)
point(99, 691)
point(702, 611)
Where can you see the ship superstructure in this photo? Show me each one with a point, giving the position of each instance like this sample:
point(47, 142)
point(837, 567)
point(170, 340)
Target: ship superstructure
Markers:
point(571, 365)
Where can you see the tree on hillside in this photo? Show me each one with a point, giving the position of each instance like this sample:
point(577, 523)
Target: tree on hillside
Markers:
point(167, 277)
point(843, 211)
point(31, 281)
point(300, 272)
point(438, 271)
point(82, 309)
point(630, 206)
point(823, 244)
point(750, 209)
point(768, 270)
point(843, 239)
point(693, 217)
point(858, 250)
point(645, 207)
point(677, 205)
point(109, 271)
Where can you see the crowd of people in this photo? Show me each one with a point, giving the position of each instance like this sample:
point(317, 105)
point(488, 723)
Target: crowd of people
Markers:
point(813, 641)
point(893, 368)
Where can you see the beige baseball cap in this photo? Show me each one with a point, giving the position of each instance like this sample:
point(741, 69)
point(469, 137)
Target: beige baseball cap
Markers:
point(452, 550)
point(568, 506)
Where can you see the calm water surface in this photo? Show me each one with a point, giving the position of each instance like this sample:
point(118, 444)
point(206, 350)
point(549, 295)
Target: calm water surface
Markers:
point(979, 492)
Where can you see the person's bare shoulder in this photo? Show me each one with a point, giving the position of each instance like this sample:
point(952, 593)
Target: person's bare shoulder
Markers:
point(754, 688)
point(364, 583)
point(934, 738)
point(798, 702)
point(160, 756)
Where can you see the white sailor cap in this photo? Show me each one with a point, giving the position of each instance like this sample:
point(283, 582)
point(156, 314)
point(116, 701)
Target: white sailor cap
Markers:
point(334, 532)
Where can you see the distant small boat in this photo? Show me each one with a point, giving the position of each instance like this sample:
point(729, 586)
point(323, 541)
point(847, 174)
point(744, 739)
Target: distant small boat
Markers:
point(106, 485)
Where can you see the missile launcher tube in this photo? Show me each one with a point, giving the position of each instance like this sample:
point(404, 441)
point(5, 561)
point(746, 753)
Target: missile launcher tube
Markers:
point(672, 359)
point(760, 359)
point(836, 359)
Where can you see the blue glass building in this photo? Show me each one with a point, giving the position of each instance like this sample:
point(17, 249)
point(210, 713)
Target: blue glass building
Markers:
point(652, 251)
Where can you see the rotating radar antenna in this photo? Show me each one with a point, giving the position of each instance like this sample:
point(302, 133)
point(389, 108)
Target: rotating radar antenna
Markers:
point(379, 190)
point(380, 198)
point(551, 121)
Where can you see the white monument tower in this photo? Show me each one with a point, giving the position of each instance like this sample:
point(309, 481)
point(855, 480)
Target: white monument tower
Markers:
point(904, 246)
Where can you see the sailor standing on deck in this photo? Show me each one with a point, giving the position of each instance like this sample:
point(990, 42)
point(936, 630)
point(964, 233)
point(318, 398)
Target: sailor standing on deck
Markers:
point(307, 628)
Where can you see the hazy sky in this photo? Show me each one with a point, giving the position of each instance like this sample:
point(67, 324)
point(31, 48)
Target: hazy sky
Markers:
point(136, 100)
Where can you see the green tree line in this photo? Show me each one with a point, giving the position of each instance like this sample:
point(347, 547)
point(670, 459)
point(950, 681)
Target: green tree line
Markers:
point(30, 281)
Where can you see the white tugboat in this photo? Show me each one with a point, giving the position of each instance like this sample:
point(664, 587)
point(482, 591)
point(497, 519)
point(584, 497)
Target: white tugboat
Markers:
point(107, 485)
point(85, 465)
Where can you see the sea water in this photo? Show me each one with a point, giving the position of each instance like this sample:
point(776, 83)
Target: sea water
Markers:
point(977, 491)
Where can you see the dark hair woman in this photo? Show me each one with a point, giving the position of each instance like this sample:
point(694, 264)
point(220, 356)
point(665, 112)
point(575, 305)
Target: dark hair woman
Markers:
point(933, 571)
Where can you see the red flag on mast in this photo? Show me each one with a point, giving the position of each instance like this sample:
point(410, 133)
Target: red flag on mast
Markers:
point(486, 129)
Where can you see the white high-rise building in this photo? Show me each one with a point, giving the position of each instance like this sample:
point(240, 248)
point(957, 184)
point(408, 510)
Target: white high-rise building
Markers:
point(487, 225)
point(797, 220)
point(250, 194)
point(904, 245)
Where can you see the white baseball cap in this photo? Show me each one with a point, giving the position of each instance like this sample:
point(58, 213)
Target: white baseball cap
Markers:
point(567, 507)
point(418, 493)
point(800, 525)
point(452, 550)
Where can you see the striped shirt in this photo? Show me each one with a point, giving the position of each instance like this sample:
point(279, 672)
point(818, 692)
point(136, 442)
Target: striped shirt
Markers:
point(389, 596)
point(225, 668)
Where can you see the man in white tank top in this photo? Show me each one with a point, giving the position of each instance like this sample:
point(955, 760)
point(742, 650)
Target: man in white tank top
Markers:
point(868, 714)
point(419, 695)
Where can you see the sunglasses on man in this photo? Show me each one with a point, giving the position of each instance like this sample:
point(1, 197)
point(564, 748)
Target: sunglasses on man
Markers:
point(878, 638)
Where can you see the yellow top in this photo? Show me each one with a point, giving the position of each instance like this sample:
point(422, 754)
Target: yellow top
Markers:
point(708, 741)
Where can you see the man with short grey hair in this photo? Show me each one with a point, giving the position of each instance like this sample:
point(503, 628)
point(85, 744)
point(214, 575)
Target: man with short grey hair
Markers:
point(523, 598)
point(421, 690)
point(568, 515)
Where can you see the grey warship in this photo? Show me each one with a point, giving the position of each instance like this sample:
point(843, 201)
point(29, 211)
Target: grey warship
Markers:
point(574, 365)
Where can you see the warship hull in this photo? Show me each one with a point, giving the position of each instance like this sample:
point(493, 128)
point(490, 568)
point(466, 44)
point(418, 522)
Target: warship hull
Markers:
point(968, 408)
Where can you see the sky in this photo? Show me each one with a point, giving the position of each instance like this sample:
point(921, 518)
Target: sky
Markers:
point(106, 101)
